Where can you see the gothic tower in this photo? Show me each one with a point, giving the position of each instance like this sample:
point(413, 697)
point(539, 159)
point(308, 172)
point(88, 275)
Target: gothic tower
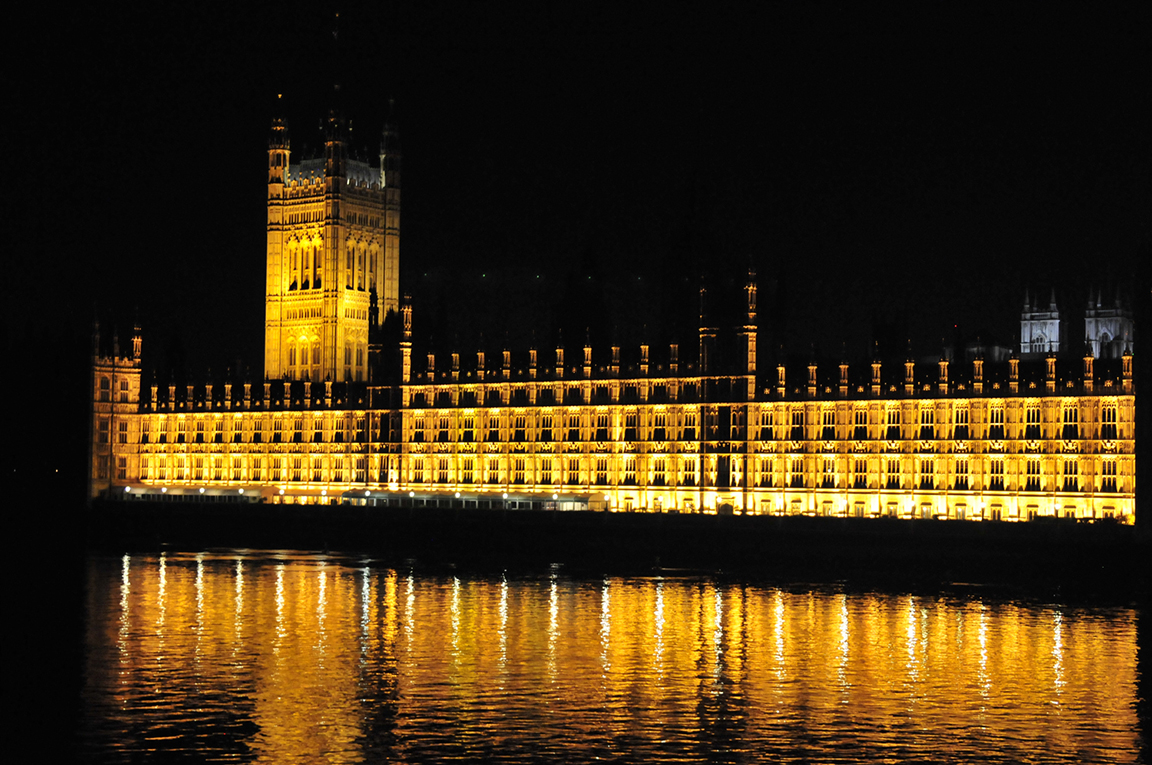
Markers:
point(333, 254)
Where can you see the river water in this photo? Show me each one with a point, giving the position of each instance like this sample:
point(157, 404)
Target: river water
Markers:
point(293, 657)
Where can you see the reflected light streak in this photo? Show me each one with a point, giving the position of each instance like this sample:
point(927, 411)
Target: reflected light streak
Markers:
point(503, 620)
point(717, 631)
point(125, 591)
point(778, 631)
point(605, 627)
point(553, 623)
point(913, 664)
point(658, 648)
point(239, 591)
point(982, 636)
point(199, 616)
point(1058, 652)
point(160, 591)
point(199, 588)
point(842, 667)
point(409, 609)
point(365, 612)
point(322, 610)
point(454, 610)
point(280, 630)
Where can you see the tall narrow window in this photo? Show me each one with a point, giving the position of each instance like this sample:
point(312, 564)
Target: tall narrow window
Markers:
point(766, 425)
point(1032, 482)
point(892, 418)
point(1071, 475)
point(961, 429)
point(996, 423)
point(996, 474)
point(797, 424)
point(1071, 421)
point(796, 473)
point(962, 474)
point(1108, 475)
point(1108, 421)
point(689, 467)
point(1032, 421)
point(927, 474)
point(927, 422)
point(892, 478)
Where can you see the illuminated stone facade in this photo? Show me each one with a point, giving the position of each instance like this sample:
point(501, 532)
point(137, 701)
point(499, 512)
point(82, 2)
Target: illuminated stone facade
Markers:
point(333, 265)
point(1009, 441)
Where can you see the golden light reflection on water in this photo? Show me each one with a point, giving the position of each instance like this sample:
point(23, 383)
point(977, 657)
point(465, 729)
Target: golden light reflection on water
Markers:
point(302, 658)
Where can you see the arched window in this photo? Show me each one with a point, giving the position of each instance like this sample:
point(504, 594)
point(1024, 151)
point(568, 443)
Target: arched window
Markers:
point(105, 389)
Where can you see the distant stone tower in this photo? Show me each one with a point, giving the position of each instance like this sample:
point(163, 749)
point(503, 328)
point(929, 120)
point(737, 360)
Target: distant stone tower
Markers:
point(1109, 329)
point(115, 390)
point(1040, 329)
point(333, 245)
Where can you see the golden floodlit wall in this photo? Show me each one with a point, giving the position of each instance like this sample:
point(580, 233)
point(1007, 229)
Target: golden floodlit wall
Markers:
point(651, 438)
point(646, 444)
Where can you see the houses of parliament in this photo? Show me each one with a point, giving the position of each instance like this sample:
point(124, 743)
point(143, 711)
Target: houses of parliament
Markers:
point(346, 411)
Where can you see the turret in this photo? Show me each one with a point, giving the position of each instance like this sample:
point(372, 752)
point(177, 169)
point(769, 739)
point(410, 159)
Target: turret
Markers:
point(390, 183)
point(406, 340)
point(390, 151)
point(279, 151)
point(587, 357)
point(707, 336)
point(748, 333)
point(335, 146)
point(876, 365)
point(909, 372)
point(1088, 359)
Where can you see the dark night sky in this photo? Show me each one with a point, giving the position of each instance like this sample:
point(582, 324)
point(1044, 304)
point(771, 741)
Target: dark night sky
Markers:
point(911, 169)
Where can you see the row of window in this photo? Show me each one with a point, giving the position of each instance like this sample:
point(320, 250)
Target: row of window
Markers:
point(105, 390)
point(598, 471)
point(273, 469)
point(223, 430)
